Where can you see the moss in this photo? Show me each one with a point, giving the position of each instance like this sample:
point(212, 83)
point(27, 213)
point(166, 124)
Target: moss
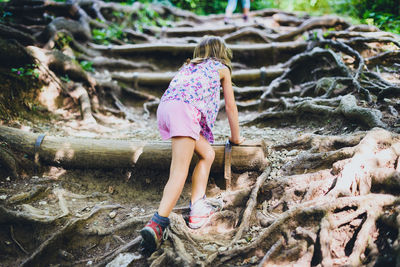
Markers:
point(18, 95)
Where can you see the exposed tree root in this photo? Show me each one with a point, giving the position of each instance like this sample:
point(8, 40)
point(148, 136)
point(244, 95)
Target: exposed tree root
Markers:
point(12, 33)
point(27, 196)
point(249, 32)
point(320, 208)
point(312, 23)
point(69, 227)
point(9, 163)
point(299, 211)
point(106, 258)
point(251, 203)
point(378, 149)
point(16, 241)
point(347, 108)
point(80, 93)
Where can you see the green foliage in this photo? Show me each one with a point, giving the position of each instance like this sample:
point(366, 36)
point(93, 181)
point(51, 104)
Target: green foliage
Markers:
point(27, 70)
point(105, 36)
point(62, 40)
point(87, 65)
point(127, 2)
point(5, 16)
point(218, 6)
point(310, 6)
point(384, 14)
point(65, 78)
point(147, 16)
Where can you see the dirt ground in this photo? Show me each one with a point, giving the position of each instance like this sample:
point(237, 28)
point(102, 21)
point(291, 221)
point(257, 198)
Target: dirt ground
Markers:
point(130, 196)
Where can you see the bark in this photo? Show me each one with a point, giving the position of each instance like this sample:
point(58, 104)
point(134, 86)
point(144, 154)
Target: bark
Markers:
point(262, 54)
point(70, 152)
point(164, 78)
point(312, 23)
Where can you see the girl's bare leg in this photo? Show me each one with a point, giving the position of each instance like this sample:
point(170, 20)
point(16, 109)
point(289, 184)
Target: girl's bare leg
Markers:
point(202, 170)
point(182, 153)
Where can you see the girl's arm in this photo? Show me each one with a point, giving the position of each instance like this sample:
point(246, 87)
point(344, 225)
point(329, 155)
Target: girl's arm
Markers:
point(230, 106)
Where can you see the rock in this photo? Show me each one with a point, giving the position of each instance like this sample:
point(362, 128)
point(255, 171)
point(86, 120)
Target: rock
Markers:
point(211, 248)
point(66, 255)
point(112, 214)
point(293, 152)
point(124, 259)
point(222, 249)
point(3, 197)
point(241, 241)
point(203, 256)
point(253, 259)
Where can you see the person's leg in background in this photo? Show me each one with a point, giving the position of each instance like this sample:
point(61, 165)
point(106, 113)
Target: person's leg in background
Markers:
point(229, 10)
point(246, 9)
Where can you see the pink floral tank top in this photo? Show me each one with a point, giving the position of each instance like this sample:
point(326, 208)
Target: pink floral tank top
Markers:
point(198, 85)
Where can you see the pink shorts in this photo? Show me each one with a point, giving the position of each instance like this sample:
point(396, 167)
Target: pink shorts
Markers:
point(177, 118)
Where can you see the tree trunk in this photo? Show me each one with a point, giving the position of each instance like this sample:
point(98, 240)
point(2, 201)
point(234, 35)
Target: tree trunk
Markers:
point(72, 152)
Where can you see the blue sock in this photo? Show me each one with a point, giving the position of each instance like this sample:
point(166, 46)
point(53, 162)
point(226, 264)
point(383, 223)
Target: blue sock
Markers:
point(163, 221)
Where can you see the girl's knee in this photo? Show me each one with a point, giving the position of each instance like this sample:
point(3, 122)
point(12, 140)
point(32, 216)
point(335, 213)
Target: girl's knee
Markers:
point(210, 155)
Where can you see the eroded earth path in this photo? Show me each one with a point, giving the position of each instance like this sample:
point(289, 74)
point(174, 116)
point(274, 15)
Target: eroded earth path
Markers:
point(322, 95)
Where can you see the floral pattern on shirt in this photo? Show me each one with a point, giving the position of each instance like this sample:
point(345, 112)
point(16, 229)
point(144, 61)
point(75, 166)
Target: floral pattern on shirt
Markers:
point(199, 85)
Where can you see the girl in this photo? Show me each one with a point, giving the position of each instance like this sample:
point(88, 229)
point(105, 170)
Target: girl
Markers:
point(186, 114)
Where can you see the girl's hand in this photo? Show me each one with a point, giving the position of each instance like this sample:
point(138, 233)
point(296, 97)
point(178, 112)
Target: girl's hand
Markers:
point(238, 141)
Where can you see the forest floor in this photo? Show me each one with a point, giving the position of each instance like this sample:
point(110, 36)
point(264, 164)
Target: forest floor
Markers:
point(321, 94)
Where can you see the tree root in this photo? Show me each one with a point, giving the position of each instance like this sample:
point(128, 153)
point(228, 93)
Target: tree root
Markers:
point(275, 247)
point(16, 241)
point(303, 213)
point(128, 115)
point(377, 149)
point(251, 203)
point(347, 108)
point(185, 258)
point(284, 81)
point(385, 58)
point(69, 227)
point(8, 163)
point(321, 143)
point(325, 21)
point(102, 231)
point(80, 93)
point(106, 258)
point(12, 33)
point(316, 209)
point(315, 161)
point(27, 196)
point(287, 20)
point(101, 62)
point(369, 117)
point(247, 32)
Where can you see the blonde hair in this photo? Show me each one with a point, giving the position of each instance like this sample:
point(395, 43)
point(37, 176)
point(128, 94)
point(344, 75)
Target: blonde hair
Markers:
point(212, 47)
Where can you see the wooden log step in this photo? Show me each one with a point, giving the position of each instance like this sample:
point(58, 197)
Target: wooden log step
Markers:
point(164, 78)
point(90, 153)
